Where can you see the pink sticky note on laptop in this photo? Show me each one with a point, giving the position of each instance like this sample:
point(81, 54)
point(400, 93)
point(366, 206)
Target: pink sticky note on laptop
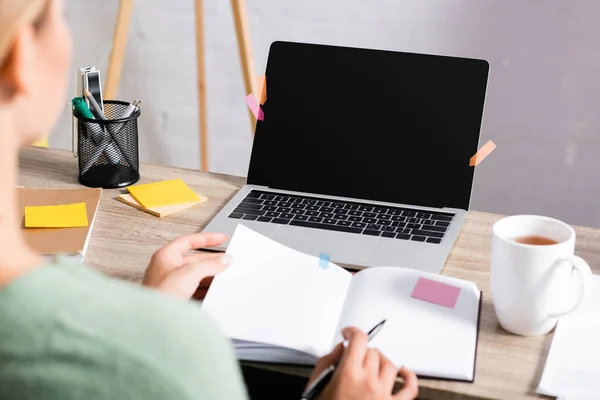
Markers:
point(255, 107)
point(436, 292)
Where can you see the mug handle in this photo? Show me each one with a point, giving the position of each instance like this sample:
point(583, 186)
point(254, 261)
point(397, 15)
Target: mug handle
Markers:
point(585, 283)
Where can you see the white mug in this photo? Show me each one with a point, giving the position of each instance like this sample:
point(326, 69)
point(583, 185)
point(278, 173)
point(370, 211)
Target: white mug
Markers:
point(530, 284)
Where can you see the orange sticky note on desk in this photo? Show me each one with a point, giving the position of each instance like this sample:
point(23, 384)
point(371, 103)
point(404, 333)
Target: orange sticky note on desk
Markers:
point(482, 153)
point(164, 193)
point(61, 216)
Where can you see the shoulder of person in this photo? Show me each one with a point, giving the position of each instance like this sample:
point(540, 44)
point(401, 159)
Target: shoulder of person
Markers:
point(173, 337)
point(183, 343)
point(129, 311)
point(96, 327)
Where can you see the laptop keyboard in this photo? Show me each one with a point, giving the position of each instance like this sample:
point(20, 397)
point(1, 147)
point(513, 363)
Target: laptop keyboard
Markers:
point(350, 217)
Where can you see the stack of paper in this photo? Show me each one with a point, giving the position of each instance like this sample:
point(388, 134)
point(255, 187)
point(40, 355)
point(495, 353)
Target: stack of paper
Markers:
point(162, 198)
point(58, 221)
point(571, 371)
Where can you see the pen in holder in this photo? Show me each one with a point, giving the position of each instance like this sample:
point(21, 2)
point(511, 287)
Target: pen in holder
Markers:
point(107, 148)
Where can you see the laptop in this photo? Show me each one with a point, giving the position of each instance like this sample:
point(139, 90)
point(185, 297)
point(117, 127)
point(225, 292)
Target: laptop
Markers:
point(363, 155)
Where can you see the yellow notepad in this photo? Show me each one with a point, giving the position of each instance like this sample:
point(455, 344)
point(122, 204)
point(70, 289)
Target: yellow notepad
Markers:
point(163, 193)
point(162, 211)
point(62, 216)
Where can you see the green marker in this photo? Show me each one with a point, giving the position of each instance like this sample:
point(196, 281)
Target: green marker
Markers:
point(82, 108)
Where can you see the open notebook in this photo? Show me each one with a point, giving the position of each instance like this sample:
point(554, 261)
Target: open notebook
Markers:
point(282, 306)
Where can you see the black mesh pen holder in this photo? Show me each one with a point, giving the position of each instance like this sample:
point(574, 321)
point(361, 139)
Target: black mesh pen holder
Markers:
point(108, 149)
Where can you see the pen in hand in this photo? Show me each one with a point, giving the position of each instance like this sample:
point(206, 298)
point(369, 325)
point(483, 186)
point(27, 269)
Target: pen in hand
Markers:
point(315, 388)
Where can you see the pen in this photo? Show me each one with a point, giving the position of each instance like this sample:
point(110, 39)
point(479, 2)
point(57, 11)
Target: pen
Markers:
point(94, 104)
point(325, 376)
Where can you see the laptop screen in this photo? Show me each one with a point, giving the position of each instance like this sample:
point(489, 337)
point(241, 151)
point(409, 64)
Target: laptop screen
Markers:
point(370, 124)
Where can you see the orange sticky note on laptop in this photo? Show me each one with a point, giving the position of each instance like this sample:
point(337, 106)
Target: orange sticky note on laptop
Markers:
point(60, 216)
point(163, 193)
point(261, 86)
point(482, 153)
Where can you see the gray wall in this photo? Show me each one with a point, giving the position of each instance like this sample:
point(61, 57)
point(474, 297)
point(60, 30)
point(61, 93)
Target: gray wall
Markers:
point(543, 106)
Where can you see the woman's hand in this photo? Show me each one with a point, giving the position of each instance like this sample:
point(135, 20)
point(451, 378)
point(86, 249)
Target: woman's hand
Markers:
point(173, 271)
point(363, 373)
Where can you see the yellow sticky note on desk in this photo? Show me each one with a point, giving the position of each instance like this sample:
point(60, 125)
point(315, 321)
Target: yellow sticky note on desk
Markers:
point(41, 143)
point(62, 216)
point(164, 193)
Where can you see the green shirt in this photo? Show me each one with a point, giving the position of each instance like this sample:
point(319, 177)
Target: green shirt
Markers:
point(68, 332)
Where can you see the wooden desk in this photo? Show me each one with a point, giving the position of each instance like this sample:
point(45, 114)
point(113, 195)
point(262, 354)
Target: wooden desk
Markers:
point(123, 240)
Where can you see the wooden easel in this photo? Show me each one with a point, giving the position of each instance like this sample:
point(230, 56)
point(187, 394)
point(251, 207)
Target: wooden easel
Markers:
point(115, 65)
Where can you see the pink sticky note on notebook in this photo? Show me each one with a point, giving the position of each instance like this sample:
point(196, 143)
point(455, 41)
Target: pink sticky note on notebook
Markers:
point(255, 107)
point(436, 292)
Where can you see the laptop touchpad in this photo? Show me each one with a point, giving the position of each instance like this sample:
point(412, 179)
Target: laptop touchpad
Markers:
point(341, 247)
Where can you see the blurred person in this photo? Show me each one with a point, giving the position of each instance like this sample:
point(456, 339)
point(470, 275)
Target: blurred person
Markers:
point(69, 332)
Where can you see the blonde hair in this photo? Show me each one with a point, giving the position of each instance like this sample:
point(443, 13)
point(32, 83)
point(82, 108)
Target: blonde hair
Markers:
point(14, 14)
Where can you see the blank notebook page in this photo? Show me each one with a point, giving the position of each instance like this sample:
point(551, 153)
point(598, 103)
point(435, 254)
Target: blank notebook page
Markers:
point(277, 295)
point(430, 339)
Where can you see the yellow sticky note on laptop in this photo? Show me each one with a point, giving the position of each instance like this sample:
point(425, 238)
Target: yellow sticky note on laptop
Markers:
point(163, 193)
point(61, 216)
